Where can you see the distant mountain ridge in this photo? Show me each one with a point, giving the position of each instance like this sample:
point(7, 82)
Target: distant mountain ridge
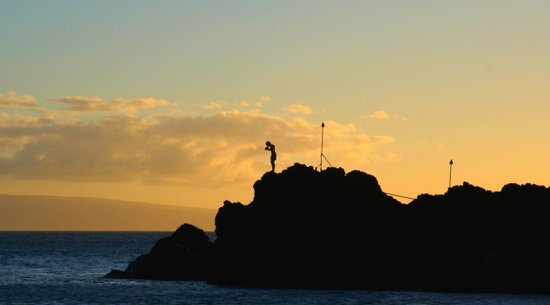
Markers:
point(59, 213)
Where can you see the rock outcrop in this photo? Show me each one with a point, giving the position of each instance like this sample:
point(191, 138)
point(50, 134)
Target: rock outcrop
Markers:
point(181, 256)
point(332, 229)
point(304, 229)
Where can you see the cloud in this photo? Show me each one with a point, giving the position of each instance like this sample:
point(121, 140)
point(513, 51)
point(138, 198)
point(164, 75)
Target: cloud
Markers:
point(10, 145)
point(242, 104)
point(382, 115)
point(216, 105)
point(257, 103)
point(222, 148)
point(118, 105)
point(263, 99)
point(298, 108)
point(12, 99)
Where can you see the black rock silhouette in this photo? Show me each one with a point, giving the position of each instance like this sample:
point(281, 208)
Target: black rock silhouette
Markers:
point(329, 229)
point(181, 256)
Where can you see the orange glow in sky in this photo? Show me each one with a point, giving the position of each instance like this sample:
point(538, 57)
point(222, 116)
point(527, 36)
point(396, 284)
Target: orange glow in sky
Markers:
point(172, 102)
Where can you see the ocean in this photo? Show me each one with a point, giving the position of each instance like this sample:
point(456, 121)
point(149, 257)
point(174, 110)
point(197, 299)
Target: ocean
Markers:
point(62, 268)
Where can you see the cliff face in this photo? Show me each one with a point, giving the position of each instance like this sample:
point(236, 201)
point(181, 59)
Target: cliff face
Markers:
point(303, 228)
point(473, 239)
point(330, 229)
point(302, 201)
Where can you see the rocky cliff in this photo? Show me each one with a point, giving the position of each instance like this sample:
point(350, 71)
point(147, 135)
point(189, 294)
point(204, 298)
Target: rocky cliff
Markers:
point(333, 229)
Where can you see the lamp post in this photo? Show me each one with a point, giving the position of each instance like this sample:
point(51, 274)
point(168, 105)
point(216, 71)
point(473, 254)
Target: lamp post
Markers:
point(450, 172)
point(322, 139)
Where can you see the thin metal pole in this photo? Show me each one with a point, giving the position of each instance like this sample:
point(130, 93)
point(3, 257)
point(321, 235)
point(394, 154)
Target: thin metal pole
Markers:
point(450, 172)
point(322, 144)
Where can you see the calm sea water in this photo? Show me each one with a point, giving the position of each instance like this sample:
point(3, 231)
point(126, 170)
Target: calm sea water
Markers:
point(67, 268)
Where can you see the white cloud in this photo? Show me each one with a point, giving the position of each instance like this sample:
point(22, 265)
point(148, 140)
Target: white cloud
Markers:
point(298, 108)
point(11, 98)
point(382, 115)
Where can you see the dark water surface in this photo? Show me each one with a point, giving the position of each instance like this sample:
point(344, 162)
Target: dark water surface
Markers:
point(67, 268)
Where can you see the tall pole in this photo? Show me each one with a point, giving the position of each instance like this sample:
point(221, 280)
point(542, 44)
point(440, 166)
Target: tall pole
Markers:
point(322, 143)
point(450, 172)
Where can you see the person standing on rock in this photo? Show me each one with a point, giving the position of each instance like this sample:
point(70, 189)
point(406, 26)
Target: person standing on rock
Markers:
point(271, 148)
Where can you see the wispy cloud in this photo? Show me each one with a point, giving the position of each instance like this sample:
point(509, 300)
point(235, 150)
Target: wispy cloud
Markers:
point(257, 103)
point(298, 108)
point(215, 105)
point(382, 115)
point(12, 98)
point(118, 105)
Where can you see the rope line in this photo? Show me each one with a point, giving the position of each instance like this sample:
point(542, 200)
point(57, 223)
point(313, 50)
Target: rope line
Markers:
point(399, 196)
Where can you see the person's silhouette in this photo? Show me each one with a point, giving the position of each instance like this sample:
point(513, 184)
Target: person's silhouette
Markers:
point(271, 148)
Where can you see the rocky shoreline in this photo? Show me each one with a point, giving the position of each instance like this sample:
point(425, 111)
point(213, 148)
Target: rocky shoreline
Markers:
point(332, 229)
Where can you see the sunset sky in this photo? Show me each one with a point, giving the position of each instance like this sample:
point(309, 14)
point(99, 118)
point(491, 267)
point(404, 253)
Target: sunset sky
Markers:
point(172, 101)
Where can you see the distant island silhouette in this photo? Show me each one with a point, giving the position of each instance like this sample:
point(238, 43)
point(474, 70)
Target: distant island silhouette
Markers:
point(332, 229)
point(66, 213)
